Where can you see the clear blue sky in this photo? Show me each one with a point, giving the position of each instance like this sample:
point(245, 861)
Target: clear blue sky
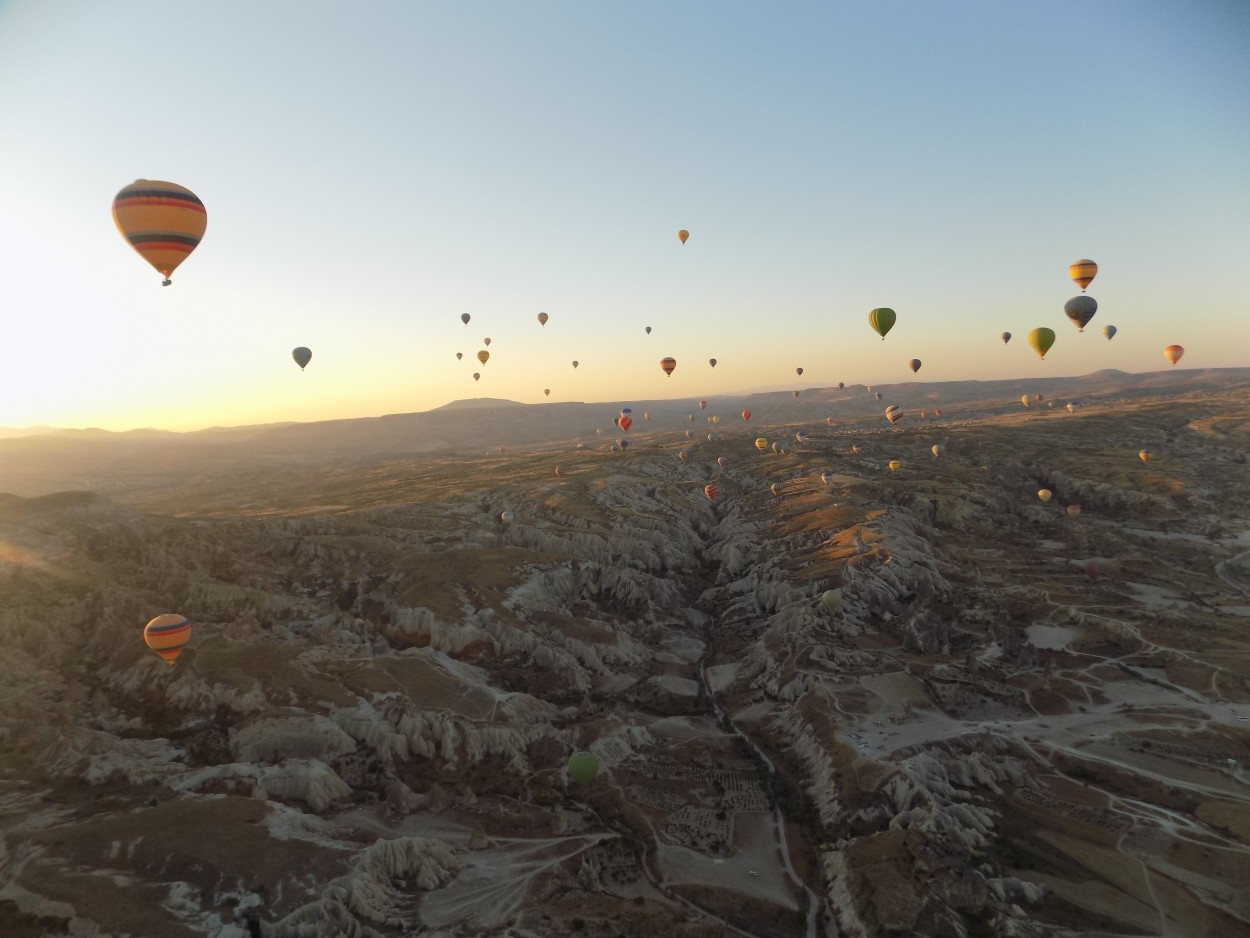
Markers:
point(373, 170)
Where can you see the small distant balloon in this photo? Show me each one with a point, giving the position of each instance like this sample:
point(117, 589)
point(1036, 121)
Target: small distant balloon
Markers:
point(1173, 353)
point(702, 405)
point(761, 444)
point(914, 365)
point(486, 341)
point(1144, 455)
point(459, 355)
point(583, 767)
point(1082, 272)
point(841, 385)
point(799, 372)
point(542, 319)
point(937, 449)
point(683, 455)
point(1073, 510)
point(547, 392)
point(683, 235)
point(1006, 337)
point(648, 330)
point(795, 393)
point(722, 462)
point(746, 415)
point(167, 635)
point(831, 599)
point(477, 376)
point(483, 356)
point(826, 477)
point(574, 364)
point(302, 357)
point(1109, 332)
point(1081, 309)
point(712, 362)
point(895, 465)
point(1044, 495)
point(711, 491)
point(667, 365)
point(465, 317)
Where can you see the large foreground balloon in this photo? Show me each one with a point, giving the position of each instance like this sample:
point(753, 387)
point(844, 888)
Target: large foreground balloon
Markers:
point(1082, 271)
point(163, 221)
point(1173, 353)
point(1042, 339)
point(1081, 309)
point(583, 767)
point(667, 365)
point(302, 357)
point(882, 320)
point(167, 635)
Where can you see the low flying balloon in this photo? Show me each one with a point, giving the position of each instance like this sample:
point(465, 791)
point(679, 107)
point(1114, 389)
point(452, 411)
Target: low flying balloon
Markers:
point(795, 393)
point(583, 767)
point(938, 412)
point(1109, 332)
point(830, 421)
point(483, 356)
point(826, 477)
point(937, 449)
point(894, 465)
point(712, 362)
point(778, 449)
point(683, 455)
point(761, 444)
point(622, 444)
point(465, 317)
point(167, 635)
point(667, 365)
point(1082, 272)
point(646, 415)
point(1081, 309)
point(1092, 569)
point(1039, 397)
point(746, 415)
point(626, 422)
point(683, 235)
point(882, 320)
point(801, 436)
point(715, 419)
point(547, 392)
point(775, 489)
point(1025, 400)
point(1072, 407)
point(689, 434)
point(1006, 337)
point(711, 491)
point(1073, 510)
point(877, 395)
point(559, 472)
point(1042, 339)
point(914, 365)
point(831, 599)
point(856, 448)
point(506, 517)
point(1044, 495)
point(702, 405)
point(163, 221)
point(841, 385)
point(894, 414)
point(1144, 455)
point(722, 462)
point(710, 437)
point(1173, 353)
point(542, 319)
point(302, 357)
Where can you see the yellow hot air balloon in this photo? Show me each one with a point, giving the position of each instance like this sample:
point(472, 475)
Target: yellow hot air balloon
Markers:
point(937, 449)
point(894, 465)
point(831, 599)
point(483, 356)
point(1144, 455)
point(167, 635)
point(1173, 353)
point(163, 221)
point(795, 393)
point(882, 320)
point(761, 444)
point(683, 235)
point(1083, 271)
point(1042, 339)
point(1044, 495)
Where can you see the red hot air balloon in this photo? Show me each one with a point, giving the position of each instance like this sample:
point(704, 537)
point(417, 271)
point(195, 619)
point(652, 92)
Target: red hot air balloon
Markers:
point(702, 405)
point(667, 365)
point(683, 455)
point(711, 491)
point(746, 415)
point(626, 422)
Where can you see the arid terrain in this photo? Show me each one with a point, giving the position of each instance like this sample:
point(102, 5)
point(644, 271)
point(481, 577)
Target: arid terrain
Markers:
point(1022, 719)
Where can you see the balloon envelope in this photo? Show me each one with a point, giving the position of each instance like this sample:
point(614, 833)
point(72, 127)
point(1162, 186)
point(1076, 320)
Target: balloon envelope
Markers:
point(683, 235)
point(583, 767)
point(937, 449)
point(894, 465)
point(167, 635)
point(483, 356)
point(1144, 455)
point(477, 376)
point(1006, 337)
point(667, 365)
point(1044, 495)
point(711, 491)
point(761, 444)
point(712, 362)
point(1109, 332)
point(882, 320)
point(626, 422)
point(574, 364)
point(914, 365)
point(831, 599)
point(1041, 339)
point(465, 317)
point(542, 319)
point(1173, 353)
point(1082, 272)
point(648, 330)
point(746, 415)
point(799, 372)
point(302, 357)
point(163, 221)
point(1081, 309)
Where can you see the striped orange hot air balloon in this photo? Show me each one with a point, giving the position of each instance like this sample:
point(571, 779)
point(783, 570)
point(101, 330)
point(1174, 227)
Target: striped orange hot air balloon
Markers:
point(163, 221)
point(1082, 272)
point(167, 635)
point(711, 491)
point(667, 365)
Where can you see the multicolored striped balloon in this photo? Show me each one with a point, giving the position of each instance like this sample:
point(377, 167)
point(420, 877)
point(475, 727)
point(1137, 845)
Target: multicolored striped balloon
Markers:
point(163, 221)
point(167, 635)
point(711, 491)
point(1082, 272)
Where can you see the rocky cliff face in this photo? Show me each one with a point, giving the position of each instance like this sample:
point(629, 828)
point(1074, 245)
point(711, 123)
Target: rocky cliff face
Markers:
point(368, 732)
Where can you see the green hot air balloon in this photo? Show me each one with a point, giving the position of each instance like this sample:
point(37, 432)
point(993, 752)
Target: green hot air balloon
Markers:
point(882, 320)
point(1042, 339)
point(831, 599)
point(583, 767)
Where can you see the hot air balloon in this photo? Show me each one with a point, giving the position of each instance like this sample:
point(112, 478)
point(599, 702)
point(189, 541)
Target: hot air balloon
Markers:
point(1044, 495)
point(583, 767)
point(483, 356)
point(542, 319)
point(459, 355)
point(1039, 397)
point(826, 477)
point(547, 392)
point(1173, 353)
point(689, 434)
point(795, 393)
point(831, 599)
point(715, 419)
point(1025, 400)
point(877, 395)
point(711, 491)
point(775, 489)
point(1109, 332)
point(937, 449)
point(465, 317)
point(801, 436)
point(622, 444)
point(646, 415)
point(559, 472)
point(856, 448)
point(1072, 407)
point(778, 449)
point(882, 320)
point(894, 414)
point(722, 462)
point(938, 412)
point(486, 341)
point(477, 376)
point(702, 405)
point(667, 365)
point(1073, 510)
point(712, 362)
point(506, 517)
point(1082, 271)
point(1042, 339)
point(914, 365)
point(626, 422)
point(830, 421)
point(163, 221)
point(1144, 455)
point(627, 411)
point(683, 455)
point(841, 385)
point(1081, 309)
point(1006, 337)
point(648, 330)
point(799, 372)
point(302, 357)
point(683, 235)
point(761, 444)
point(167, 635)
point(894, 465)
point(746, 415)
